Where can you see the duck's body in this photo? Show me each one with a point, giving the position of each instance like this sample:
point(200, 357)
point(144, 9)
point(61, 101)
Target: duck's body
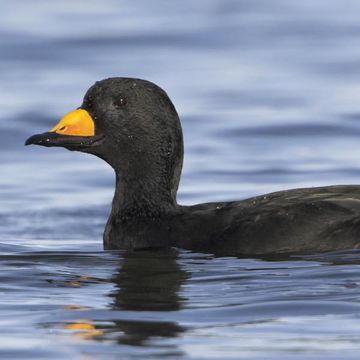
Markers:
point(133, 125)
point(294, 221)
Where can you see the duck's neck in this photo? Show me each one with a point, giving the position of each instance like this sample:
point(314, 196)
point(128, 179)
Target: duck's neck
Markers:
point(137, 198)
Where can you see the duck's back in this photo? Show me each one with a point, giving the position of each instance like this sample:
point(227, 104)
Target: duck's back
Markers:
point(294, 221)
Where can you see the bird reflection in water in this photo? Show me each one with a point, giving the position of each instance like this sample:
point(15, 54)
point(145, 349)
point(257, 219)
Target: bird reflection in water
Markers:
point(148, 282)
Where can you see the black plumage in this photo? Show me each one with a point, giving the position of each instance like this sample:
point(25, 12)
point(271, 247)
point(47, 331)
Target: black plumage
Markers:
point(138, 132)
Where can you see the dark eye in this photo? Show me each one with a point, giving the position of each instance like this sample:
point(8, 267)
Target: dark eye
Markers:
point(88, 102)
point(120, 101)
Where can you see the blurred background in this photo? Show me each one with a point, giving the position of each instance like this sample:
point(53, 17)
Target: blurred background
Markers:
point(268, 92)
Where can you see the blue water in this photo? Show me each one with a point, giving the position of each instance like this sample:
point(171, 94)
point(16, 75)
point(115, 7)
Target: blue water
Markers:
point(269, 96)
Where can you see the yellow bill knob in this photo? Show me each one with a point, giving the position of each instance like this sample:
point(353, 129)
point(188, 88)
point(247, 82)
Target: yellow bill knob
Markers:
point(75, 123)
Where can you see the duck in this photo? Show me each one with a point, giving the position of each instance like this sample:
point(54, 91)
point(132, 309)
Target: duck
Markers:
point(133, 126)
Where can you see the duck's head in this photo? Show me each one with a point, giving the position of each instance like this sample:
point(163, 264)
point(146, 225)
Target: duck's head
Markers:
point(132, 125)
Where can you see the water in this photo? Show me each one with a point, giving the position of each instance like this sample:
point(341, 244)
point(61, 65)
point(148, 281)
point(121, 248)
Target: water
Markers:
point(268, 94)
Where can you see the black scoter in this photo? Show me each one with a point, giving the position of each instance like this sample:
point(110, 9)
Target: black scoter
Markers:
point(133, 126)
